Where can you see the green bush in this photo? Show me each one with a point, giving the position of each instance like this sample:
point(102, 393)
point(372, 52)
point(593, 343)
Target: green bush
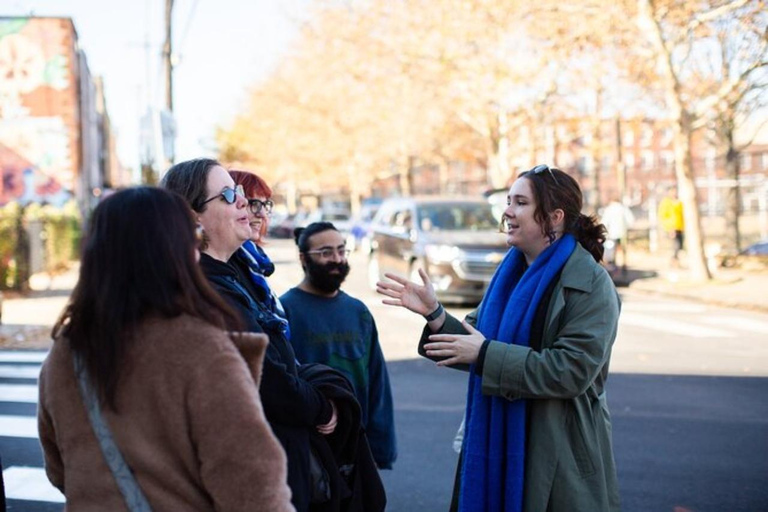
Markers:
point(61, 231)
point(9, 218)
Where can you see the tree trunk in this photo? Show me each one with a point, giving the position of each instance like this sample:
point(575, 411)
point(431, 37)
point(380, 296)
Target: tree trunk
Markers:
point(694, 241)
point(500, 171)
point(733, 195)
point(681, 126)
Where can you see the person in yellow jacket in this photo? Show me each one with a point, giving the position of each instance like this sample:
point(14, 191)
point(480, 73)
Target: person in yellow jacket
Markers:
point(672, 221)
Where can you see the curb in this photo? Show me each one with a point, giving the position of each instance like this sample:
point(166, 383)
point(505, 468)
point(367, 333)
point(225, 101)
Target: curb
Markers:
point(720, 302)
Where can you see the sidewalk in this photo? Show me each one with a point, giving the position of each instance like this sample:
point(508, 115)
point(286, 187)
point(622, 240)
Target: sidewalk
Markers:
point(28, 319)
point(742, 288)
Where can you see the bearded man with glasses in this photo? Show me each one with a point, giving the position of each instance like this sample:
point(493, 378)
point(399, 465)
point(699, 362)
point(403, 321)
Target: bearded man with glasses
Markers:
point(337, 330)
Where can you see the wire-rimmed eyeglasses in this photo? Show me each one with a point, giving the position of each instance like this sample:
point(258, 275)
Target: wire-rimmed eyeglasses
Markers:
point(328, 252)
point(255, 205)
point(544, 168)
point(228, 194)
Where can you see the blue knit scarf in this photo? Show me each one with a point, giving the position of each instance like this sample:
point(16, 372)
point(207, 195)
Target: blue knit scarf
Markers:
point(494, 445)
point(261, 267)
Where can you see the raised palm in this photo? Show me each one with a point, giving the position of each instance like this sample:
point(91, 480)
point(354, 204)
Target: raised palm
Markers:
point(419, 298)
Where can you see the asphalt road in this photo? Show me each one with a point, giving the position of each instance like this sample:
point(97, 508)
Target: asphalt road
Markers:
point(687, 394)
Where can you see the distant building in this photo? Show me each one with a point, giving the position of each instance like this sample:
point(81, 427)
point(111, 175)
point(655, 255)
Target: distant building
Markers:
point(56, 140)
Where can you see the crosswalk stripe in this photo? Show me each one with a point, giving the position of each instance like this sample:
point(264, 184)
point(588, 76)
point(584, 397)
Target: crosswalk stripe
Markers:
point(18, 371)
point(676, 327)
point(22, 356)
point(743, 324)
point(663, 307)
point(26, 393)
point(18, 426)
point(23, 483)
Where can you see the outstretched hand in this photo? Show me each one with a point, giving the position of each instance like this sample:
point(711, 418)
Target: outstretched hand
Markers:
point(457, 348)
point(419, 298)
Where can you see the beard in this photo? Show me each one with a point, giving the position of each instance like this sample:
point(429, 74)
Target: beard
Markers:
point(320, 275)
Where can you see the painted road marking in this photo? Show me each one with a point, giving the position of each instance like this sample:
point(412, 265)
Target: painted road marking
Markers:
point(17, 371)
point(18, 426)
point(25, 393)
point(23, 483)
point(22, 356)
point(676, 327)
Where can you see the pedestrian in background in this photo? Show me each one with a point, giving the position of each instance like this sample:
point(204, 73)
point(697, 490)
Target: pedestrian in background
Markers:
point(337, 330)
point(145, 331)
point(672, 222)
point(293, 406)
point(537, 431)
point(617, 219)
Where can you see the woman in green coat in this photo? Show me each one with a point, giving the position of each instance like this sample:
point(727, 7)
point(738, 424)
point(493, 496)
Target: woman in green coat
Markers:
point(537, 427)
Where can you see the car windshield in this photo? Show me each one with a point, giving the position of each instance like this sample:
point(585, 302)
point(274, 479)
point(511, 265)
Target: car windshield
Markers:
point(332, 216)
point(457, 217)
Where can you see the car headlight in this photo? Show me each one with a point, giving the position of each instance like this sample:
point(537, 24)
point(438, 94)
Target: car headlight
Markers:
point(442, 253)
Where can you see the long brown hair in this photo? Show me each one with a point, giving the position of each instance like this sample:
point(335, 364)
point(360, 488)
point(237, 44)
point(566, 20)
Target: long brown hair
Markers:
point(138, 260)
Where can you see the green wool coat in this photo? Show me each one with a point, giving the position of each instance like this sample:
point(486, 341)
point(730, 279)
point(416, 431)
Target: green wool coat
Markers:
point(569, 463)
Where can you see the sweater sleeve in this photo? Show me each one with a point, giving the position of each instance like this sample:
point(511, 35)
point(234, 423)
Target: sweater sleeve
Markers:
point(569, 366)
point(452, 325)
point(242, 464)
point(381, 421)
point(54, 466)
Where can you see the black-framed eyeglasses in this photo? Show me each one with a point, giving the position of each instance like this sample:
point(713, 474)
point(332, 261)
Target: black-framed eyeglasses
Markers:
point(544, 168)
point(228, 194)
point(255, 205)
point(328, 252)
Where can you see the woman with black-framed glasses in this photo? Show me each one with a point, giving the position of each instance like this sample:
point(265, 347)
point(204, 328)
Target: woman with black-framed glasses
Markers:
point(537, 431)
point(293, 407)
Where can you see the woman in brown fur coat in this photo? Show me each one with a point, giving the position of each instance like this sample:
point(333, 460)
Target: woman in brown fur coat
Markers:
point(178, 395)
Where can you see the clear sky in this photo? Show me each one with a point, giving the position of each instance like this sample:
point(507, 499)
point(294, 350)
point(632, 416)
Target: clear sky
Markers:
point(223, 47)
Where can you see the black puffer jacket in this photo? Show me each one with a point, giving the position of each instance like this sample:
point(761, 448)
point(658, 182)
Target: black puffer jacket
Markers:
point(293, 406)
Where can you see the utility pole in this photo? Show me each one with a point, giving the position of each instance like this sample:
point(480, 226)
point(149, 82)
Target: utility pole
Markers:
point(167, 121)
point(168, 55)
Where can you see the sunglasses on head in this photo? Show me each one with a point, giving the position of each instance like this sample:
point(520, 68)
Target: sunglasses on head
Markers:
point(255, 205)
point(544, 168)
point(228, 194)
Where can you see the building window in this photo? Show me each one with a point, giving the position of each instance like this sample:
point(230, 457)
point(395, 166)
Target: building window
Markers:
point(647, 160)
point(628, 138)
point(606, 162)
point(667, 159)
point(746, 162)
point(647, 136)
point(666, 137)
point(629, 161)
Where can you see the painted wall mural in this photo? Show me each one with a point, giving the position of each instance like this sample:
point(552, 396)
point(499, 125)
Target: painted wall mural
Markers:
point(39, 137)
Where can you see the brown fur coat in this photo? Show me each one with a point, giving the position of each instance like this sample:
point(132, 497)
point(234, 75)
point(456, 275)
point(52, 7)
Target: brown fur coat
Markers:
point(190, 424)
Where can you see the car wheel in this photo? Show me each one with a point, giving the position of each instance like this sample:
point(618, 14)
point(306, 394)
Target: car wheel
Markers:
point(374, 275)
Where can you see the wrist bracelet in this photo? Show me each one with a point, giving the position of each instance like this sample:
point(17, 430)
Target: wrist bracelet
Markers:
point(435, 314)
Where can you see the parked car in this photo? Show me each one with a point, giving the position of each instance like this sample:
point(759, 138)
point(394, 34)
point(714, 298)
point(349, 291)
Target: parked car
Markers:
point(755, 255)
point(281, 226)
point(361, 226)
point(455, 240)
point(339, 217)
